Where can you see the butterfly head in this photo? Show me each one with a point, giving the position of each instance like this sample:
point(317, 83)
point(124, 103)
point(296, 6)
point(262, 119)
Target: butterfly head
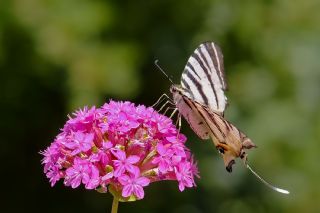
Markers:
point(176, 89)
point(231, 151)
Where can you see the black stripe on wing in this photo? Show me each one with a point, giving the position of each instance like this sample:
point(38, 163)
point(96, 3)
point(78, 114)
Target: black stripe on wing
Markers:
point(188, 79)
point(216, 57)
point(206, 71)
point(189, 65)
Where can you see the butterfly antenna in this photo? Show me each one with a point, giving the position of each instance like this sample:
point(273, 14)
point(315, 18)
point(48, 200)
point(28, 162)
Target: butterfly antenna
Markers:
point(266, 183)
point(156, 63)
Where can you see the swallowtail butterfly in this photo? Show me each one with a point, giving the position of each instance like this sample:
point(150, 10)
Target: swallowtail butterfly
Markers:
point(201, 100)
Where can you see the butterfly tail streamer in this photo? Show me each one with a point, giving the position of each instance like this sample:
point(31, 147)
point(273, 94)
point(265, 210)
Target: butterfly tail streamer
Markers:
point(283, 191)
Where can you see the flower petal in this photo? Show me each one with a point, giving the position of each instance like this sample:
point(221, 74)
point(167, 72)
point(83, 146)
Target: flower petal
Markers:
point(181, 186)
point(133, 159)
point(138, 191)
point(107, 176)
point(143, 181)
point(127, 190)
point(107, 145)
point(124, 179)
point(119, 171)
point(133, 170)
point(76, 182)
point(118, 153)
point(161, 149)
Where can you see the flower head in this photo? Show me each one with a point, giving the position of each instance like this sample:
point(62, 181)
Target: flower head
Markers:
point(119, 146)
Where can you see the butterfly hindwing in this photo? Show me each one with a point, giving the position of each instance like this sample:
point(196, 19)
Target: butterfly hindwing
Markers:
point(189, 112)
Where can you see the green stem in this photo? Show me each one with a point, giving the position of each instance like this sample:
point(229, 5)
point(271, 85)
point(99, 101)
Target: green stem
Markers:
point(115, 203)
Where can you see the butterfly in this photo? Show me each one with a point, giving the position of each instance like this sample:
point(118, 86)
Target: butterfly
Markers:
point(200, 99)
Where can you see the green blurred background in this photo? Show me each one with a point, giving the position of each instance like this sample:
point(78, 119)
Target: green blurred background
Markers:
point(59, 55)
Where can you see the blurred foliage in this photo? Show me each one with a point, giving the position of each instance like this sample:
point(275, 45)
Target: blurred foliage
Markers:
point(56, 56)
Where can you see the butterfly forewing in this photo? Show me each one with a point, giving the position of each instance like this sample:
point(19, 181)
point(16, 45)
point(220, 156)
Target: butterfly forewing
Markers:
point(203, 77)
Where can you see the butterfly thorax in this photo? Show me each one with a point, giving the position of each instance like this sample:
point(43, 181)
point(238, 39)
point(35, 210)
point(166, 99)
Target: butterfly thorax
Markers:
point(178, 91)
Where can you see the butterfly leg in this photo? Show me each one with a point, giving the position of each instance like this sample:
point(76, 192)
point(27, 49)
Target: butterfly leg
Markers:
point(165, 105)
point(167, 109)
point(174, 112)
point(179, 123)
point(163, 97)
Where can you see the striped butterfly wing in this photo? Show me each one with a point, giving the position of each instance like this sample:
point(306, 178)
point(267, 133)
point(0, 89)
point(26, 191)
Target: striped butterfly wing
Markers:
point(204, 77)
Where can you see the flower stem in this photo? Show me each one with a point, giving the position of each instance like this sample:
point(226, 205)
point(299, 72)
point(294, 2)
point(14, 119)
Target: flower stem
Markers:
point(115, 203)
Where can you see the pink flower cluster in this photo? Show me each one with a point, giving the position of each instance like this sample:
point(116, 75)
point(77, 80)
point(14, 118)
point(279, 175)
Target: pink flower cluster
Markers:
point(119, 145)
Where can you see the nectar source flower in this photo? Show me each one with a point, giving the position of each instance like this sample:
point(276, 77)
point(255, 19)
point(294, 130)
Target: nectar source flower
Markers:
point(120, 147)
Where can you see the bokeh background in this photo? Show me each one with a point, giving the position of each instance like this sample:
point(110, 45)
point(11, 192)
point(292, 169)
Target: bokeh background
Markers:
point(59, 55)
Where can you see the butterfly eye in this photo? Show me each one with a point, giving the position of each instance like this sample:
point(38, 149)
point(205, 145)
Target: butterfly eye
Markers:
point(243, 154)
point(221, 150)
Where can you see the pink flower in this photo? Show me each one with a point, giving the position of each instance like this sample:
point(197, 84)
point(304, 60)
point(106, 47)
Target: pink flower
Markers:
point(127, 122)
point(82, 172)
point(82, 121)
point(80, 142)
point(94, 178)
point(133, 184)
point(51, 155)
point(164, 160)
point(78, 173)
point(123, 163)
point(54, 174)
point(119, 145)
point(184, 175)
